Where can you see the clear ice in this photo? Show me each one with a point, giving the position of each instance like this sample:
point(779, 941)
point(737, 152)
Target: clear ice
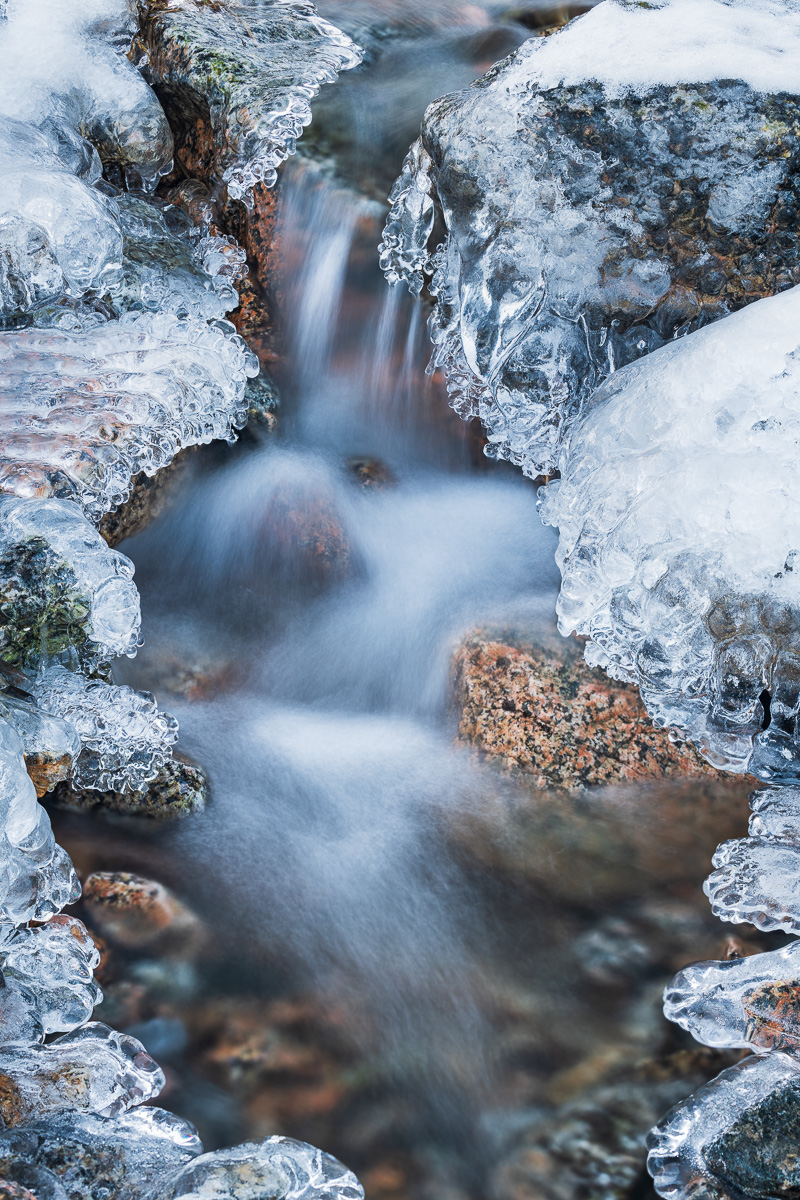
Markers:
point(253, 68)
point(598, 203)
point(679, 572)
point(115, 354)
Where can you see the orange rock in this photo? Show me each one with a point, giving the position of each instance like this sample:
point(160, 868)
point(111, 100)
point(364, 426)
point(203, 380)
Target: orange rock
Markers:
point(137, 912)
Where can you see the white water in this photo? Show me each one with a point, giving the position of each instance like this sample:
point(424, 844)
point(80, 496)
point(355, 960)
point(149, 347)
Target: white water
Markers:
point(329, 742)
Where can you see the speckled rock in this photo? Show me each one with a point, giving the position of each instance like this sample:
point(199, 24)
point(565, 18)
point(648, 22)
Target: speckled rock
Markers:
point(148, 498)
point(539, 710)
point(136, 913)
point(757, 1156)
point(594, 1147)
point(179, 790)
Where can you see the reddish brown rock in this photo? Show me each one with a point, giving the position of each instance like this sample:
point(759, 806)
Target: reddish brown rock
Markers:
point(138, 913)
point(539, 710)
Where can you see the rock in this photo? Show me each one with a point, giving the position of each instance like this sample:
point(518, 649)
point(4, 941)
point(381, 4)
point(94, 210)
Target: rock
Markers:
point(594, 212)
point(736, 1137)
point(539, 710)
point(235, 81)
point(594, 1146)
point(370, 473)
point(148, 498)
point(138, 913)
point(179, 790)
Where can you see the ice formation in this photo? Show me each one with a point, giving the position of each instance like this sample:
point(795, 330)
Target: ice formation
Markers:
point(736, 1136)
point(681, 575)
point(104, 405)
point(741, 1002)
point(125, 739)
point(61, 587)
point(253, 67)
point(597, 204)
point(279, 1166)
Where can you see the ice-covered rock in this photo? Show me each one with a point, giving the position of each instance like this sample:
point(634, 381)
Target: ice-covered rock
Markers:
point(61, 587)
point(624, 181)
point(52, 967)
point(679, 572)
point(50, 745)
point(102, 405)
point(741, 1002)
point(733, 1139)
point(94, 1069)
point(128, 1156)
point(279, 1167)
point(36, 875)
point(249, 70)
point(125, 739)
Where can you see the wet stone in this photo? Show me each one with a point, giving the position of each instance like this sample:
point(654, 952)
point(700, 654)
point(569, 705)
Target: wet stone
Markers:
point(758, 1156)
point(137, 912)
point(179, 790)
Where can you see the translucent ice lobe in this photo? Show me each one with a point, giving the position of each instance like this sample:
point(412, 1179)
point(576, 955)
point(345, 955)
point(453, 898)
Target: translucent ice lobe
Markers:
point(279, 1167)
point(36, 876)
point(53, 965)
point(736, 1135)
point(679, 574)
point(753, 1001)
point(94, 1069)
point(102, 405)
point(275, 58)
point(61, 586)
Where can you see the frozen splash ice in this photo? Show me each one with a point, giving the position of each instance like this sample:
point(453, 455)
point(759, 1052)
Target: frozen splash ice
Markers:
point(125, 739)
point(679, 573)
point(104, 404)
point(587, 222)
point(253, 67)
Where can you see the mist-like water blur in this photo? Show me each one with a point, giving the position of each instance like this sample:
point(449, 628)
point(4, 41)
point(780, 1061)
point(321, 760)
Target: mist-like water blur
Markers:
point(320, 617)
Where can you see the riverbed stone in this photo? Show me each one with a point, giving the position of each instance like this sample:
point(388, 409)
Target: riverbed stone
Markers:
point(179, 790)
point(135, 913)
point(535, 708)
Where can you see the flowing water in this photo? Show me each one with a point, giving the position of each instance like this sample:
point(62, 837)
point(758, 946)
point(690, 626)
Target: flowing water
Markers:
point(302, 600)
point(330, 609)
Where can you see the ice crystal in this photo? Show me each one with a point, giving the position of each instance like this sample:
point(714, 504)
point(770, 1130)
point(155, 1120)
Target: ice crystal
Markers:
point(53, 966)
point(682, 577)
point(36, 876)
point(61, 587)
point(736, 1136)
point(597, 204)
point(125, 739)
point(104, 404)
point(94, 1069)
point(279, 1167)
point(132, 1153)
point(253, 67)
point(753, 1001)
